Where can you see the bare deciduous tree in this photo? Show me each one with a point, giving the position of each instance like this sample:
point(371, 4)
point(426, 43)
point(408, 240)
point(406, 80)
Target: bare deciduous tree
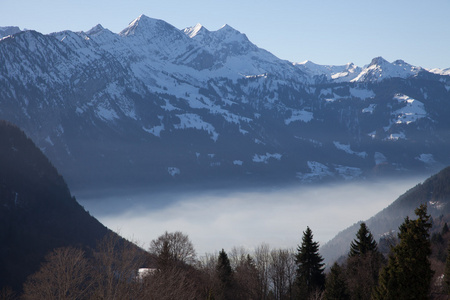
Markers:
point(64, 275)
point(262, 262)
point(117, 262)
point(178, 245)
point(282, 272)
point(247, 279)
point(7, 293)
point(237, 256)
point(174, 282)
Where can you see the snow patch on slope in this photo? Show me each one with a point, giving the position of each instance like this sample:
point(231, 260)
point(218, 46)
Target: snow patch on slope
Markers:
point(347, 149)
point(105, 113)
point(173, 171)
point(396, 137)
point(265, 157)
point(362, 93)
point(369, 109)
point(195, 121)
point(426, 158)
point(348, 173)
point(299, 115)
point(411, 112)
point(379, 158)
point(317, 171)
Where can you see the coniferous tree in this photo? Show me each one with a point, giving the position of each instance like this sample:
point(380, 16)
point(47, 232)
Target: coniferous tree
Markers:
point(447, 272)
point(310, 269)
point(225, 276)
point(408, 273)
point(164, 259)
point(444, 229)
point(335, 285)
point(363, 243)
point(363, 264)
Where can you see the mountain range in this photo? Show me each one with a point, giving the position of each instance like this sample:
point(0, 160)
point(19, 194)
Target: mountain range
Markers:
point(156, 105)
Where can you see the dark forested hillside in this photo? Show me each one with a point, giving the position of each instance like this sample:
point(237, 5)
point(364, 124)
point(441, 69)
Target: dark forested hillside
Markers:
point(37, 211)
point(434, 192)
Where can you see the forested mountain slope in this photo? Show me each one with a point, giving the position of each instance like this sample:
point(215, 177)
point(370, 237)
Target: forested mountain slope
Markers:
point(434, 192)
point(37, 211)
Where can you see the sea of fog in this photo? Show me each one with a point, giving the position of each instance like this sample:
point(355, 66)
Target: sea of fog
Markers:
point(243, 218)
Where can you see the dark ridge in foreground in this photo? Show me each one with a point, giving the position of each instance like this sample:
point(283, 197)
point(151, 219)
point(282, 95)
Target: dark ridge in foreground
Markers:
point(37, 211)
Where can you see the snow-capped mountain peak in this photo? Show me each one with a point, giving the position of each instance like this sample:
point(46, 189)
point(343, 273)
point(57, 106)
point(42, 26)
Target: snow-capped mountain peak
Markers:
point(146, 26)
point(141, 21)
point(95, 30)
point(194, 102)
point(226, 31)
point(195, 31)
point(332, 73)
point(378, 61)
point(380, 69)
point(440, 71)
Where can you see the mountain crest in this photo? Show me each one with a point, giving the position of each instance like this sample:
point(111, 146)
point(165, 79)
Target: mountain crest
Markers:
point(144, 25)
point(8, 30)
point(197, 30)
point(95, 30)
point(230, 31)
point(378, 61)
point(380, 69)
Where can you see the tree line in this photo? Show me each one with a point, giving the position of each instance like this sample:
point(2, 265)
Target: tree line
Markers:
point(116, 270)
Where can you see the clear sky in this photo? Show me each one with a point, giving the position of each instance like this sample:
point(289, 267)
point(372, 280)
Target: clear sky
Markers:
point(323, 31)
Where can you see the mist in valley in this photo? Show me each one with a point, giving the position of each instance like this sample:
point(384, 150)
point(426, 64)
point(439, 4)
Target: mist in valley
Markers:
point(217, 219)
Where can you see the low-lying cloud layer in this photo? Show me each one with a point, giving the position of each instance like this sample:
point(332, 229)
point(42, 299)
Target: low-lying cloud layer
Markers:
point(223, 219)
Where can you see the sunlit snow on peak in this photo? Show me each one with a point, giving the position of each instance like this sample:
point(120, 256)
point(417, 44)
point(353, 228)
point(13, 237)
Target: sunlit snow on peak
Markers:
point(194, 31)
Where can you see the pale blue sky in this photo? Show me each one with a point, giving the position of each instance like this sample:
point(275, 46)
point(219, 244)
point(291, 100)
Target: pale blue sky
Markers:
point(323, 31)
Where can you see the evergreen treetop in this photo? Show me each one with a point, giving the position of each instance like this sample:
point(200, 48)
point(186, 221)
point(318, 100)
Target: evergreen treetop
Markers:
point(408, 273)
point(310, 266)
point(363, 243)
point(224, 270)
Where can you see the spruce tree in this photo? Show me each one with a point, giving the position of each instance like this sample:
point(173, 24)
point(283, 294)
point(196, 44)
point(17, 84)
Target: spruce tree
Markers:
point(335, 285)
point(164, 259)
point(363, 243)
point(444, 229)
point(363, 264)
point(225, 275)
point(447, 272)
point(408, 273)
point(310, 269)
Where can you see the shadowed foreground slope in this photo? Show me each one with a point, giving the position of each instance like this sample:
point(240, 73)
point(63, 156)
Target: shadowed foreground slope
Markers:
point(37, 211)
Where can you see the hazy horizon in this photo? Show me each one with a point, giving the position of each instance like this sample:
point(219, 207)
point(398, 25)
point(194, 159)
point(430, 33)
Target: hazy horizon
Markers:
point(219, 219)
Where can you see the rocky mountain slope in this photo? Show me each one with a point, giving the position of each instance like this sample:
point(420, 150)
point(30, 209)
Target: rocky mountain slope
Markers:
point(153, 105)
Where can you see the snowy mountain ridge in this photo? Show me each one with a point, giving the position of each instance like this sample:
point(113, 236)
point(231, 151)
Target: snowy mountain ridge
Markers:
point(8, 30)
point(166, 104)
